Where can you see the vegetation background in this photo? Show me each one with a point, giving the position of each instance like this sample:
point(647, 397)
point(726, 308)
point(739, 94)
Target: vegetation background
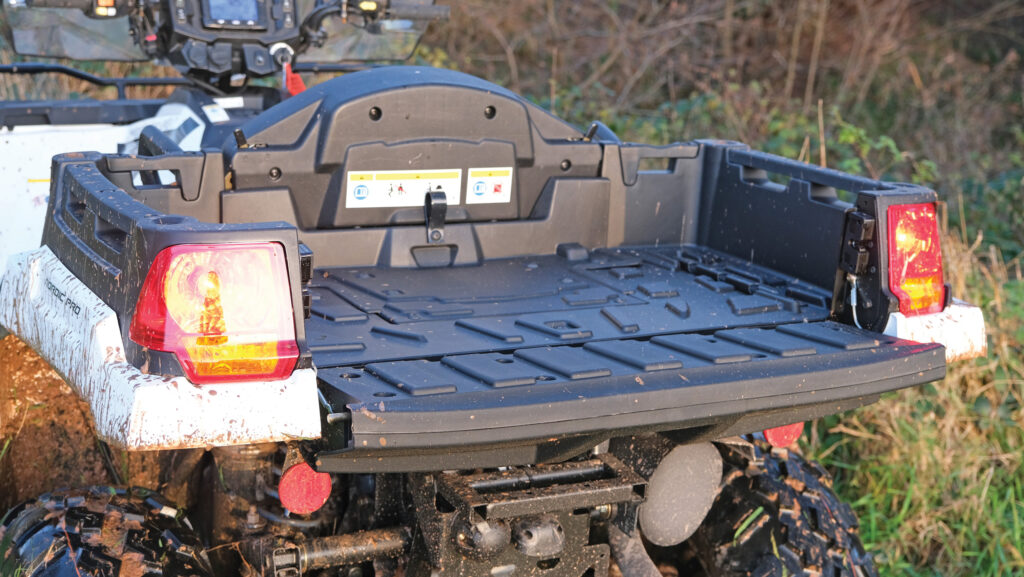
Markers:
point(929, 91)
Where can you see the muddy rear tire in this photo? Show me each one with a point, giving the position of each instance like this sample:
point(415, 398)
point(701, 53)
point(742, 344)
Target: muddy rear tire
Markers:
point(778, 515)
point(99, 532)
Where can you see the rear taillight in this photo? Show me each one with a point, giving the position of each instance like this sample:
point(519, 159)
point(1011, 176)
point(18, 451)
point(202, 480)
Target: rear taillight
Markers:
point(224, 310)
point(915, 259)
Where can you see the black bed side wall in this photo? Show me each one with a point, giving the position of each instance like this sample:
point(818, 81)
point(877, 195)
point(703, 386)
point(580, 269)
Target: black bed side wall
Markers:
point(794, 228)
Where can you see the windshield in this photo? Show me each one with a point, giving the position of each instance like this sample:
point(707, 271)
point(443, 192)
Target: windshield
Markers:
point(385, 40)
point(69, 33)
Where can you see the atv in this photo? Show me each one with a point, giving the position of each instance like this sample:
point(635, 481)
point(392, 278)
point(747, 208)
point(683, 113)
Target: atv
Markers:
point(405, 322)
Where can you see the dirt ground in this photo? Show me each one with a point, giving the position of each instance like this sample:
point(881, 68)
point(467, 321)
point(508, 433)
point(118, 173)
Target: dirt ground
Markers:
point(47, 440)
point(46, 435)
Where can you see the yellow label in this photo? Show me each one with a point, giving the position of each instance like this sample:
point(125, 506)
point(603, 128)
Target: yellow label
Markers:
point(417, 175)
point(401, 188)
point(490, 172)
point(489, 185)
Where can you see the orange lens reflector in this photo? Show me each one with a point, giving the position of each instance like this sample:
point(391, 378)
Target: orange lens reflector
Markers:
point(915, 259)
point(785, 435)
point(303, 490)
point(224, 310)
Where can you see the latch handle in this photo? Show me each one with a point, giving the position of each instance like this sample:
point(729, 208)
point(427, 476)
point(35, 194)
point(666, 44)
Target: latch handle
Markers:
point(436, 210)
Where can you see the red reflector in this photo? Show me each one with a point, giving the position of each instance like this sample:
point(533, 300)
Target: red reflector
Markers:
point(303, 490)
point(224, 310)
point(785, 435)
point(915, 259)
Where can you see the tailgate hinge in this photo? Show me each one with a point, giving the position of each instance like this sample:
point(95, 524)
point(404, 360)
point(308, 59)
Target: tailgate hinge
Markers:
point(854, 262)
point(305, 275)
point(858, 237)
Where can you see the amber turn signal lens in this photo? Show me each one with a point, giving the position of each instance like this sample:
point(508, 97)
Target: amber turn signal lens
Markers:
point(915, 259)
point(224, 310)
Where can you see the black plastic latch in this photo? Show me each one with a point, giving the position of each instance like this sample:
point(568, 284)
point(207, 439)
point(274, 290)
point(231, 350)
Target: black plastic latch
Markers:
point(305, 276)
point(857, 240)
point(435, 209)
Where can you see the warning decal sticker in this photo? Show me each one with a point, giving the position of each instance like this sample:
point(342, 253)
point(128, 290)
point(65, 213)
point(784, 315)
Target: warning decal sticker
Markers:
point(489, 185)
point(400, 188)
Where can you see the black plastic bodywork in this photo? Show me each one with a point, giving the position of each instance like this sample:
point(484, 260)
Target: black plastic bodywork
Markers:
point(602, 300)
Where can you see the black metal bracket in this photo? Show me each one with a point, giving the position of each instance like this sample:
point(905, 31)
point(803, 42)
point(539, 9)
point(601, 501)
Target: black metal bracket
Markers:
point(858, 238)
point(513, 518)
point(854, 260)
point(604, 480)
point(306, 274)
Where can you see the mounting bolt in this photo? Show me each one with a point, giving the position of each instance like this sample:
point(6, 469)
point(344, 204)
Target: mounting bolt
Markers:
point(376, 114)
point(253, 521)
point(275, 173)
point(483, 540)
point(489, 112)
point(566, 164)
point(602, 512)
point(435, 235)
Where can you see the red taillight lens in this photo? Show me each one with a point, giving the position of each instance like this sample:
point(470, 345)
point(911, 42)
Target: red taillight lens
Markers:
point(915, 259)
point(224, 310)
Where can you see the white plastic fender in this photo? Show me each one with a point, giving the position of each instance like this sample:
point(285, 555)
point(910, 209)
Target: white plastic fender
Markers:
point(26, 153)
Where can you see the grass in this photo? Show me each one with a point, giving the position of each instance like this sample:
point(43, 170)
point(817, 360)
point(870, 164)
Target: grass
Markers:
point(935, 472)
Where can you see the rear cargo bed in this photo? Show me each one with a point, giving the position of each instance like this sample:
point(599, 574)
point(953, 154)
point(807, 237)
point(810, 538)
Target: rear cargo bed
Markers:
point(436, 367)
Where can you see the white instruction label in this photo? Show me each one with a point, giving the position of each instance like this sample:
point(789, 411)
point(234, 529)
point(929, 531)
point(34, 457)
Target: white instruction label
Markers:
point(400, 188)
point(489, 185)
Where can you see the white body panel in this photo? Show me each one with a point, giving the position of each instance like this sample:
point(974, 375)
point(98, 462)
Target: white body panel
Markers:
point(69, 326)
point(960, 328)
point(26, 153)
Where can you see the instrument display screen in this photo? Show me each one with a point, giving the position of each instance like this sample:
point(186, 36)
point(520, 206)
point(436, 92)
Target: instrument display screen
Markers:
point(233, 11)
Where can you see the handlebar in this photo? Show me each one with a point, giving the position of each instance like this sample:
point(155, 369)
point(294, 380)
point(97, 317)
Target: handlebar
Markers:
point(84, 5)
point(408, 11)
point(60, 3)
point(92, 8)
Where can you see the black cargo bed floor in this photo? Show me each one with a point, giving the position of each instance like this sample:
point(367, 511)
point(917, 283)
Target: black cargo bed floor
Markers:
point(366, 315)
